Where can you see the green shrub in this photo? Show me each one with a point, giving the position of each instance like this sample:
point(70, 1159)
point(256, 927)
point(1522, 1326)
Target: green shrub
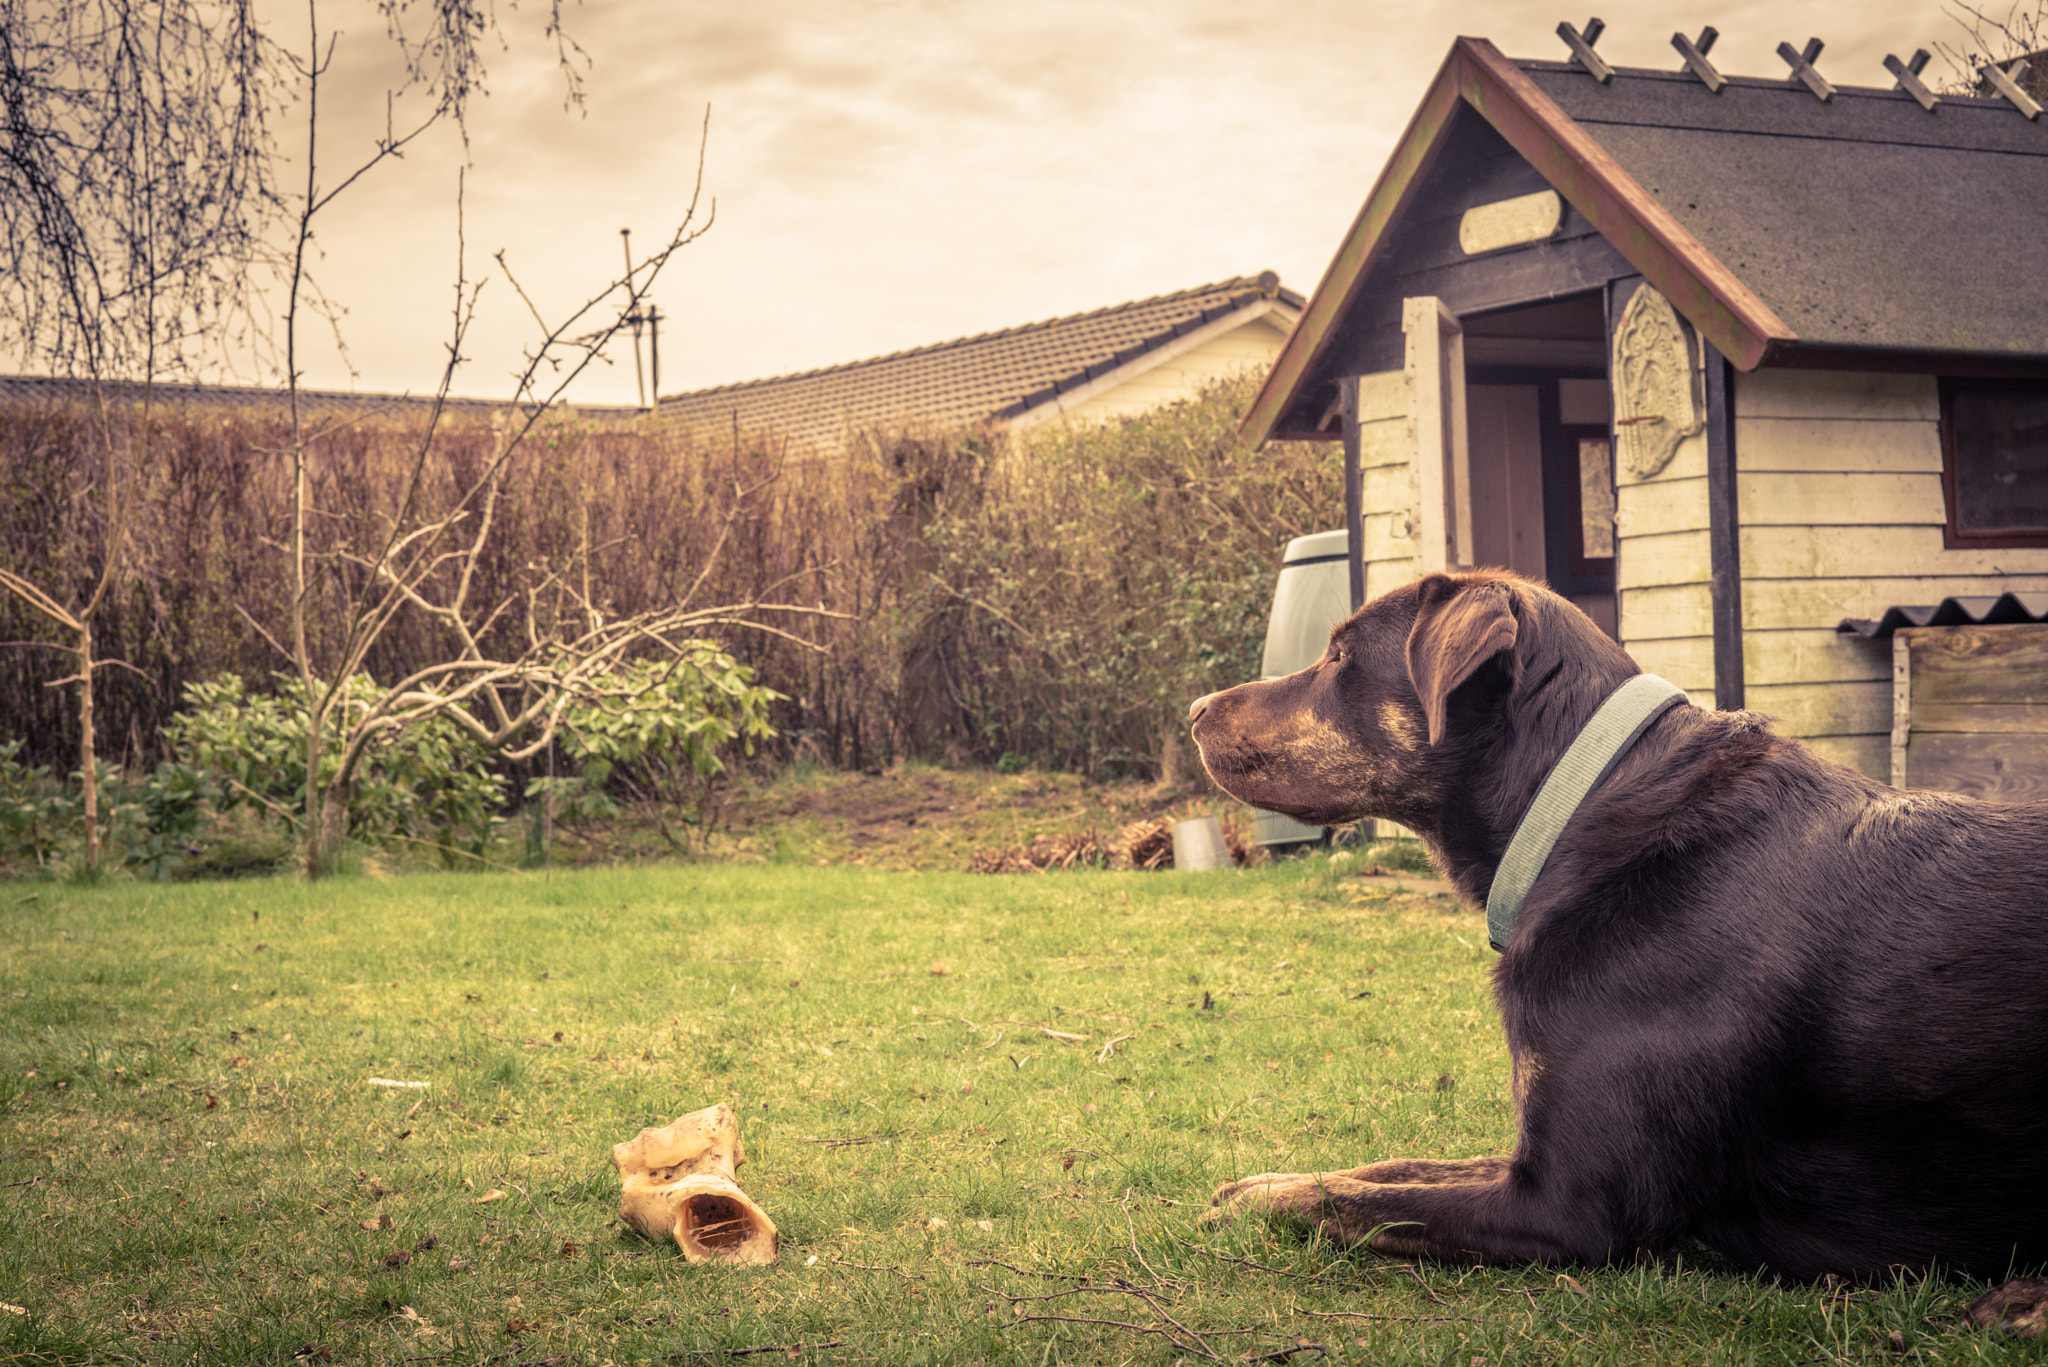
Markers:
point(1087, 584)
point(36, 816)
point(662, 729)
point(428, 784)
point(154, 829)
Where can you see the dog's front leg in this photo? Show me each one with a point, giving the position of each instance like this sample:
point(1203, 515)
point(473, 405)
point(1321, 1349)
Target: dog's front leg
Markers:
point(1432, 1211)
point(1431, 1172)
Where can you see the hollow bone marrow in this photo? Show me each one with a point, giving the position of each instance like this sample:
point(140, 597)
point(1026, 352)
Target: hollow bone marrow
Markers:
point(679, 1182)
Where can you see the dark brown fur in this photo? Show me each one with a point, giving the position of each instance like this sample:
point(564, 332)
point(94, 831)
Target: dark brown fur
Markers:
point(1755, 998)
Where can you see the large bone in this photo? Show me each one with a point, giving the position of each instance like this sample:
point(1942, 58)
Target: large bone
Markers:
point(678, 1181)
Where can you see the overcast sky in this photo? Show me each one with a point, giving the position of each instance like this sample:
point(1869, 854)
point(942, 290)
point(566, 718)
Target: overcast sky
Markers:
point(890, 173)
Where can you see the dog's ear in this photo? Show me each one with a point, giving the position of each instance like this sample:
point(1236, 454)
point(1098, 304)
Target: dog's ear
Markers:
point(1459, 626)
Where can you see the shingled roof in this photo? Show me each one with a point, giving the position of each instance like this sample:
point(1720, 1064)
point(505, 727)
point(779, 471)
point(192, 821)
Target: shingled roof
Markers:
point(1790, 230)
point(992, 377)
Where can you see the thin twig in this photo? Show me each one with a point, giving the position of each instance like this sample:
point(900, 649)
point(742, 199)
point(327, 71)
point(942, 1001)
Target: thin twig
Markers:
point(790, 1348)
point(1404, 1267)
point(1157, 1280)
point(1022, 1272)
point(1402, 1319)
point(1186, 1346)
point(1260, 1267)
point(1110, 1047)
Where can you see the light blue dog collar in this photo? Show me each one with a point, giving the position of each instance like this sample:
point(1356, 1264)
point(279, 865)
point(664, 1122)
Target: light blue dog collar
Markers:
point(1600, 744)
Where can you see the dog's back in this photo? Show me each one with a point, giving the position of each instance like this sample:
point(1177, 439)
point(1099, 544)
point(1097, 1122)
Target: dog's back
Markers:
point(1875, 965)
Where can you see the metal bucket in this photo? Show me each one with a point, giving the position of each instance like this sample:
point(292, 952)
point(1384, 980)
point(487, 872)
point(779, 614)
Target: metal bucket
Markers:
point(1199, 844)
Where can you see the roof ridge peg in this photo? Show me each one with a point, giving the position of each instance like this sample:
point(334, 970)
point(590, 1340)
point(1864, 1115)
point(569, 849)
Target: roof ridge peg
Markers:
point(1803, 69)
point(2006, 81)
point(1581, 45)
point(1908, 74)
point(1695, 54)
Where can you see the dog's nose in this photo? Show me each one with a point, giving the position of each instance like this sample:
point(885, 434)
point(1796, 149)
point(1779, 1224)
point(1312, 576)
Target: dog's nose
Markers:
point(1198, 707)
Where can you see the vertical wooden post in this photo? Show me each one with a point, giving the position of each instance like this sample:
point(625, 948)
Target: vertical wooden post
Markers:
point(1458, 453)
point(1902, 704)
point(1354, 490)
point(1724, 531)
point(1439, 462)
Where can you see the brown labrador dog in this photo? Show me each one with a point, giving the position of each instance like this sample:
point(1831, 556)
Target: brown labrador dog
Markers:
point(1754, 998)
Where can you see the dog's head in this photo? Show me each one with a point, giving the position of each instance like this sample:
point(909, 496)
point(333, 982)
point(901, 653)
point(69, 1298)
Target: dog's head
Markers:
point(1412, 688)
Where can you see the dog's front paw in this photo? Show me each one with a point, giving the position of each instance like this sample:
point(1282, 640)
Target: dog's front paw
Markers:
point(1301, 1195)
point(2019, 1307)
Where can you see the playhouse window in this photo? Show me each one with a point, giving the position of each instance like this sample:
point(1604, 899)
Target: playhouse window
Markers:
point(1994, 438)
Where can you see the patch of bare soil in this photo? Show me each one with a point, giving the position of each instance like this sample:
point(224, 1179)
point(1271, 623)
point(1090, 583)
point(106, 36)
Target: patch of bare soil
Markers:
point(923, 817)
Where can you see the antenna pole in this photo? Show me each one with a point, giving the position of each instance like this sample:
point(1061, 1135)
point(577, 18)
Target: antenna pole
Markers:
point(654, 348)
point(633, 316)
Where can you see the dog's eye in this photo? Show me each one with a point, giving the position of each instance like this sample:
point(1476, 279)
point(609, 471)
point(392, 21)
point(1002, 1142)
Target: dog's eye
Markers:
point(1336, 654)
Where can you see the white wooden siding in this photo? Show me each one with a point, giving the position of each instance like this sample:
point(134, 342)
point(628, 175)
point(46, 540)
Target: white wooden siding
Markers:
point(1388, 493)
point(1839, 493)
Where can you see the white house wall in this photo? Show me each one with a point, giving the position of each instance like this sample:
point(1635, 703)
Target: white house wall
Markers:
point(1184, 374)
point(1839, 496)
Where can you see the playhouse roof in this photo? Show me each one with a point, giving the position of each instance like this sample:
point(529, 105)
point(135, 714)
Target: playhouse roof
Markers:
point(1860, 230)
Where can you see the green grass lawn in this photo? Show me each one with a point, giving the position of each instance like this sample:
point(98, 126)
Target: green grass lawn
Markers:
point(985, 1113)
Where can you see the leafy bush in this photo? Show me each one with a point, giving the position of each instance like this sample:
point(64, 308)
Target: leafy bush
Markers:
point(153, 828)
point(429, 784)
point(36, 816)
point(1091, 582)
point(661, 729)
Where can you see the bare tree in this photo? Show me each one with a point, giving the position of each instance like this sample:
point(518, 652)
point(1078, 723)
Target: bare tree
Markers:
point(134, 190)
point(139, 189)
point(507, 689)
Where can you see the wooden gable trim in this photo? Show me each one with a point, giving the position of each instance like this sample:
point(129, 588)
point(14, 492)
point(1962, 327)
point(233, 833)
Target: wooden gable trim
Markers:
point(1413, 155)
point(1727, 312)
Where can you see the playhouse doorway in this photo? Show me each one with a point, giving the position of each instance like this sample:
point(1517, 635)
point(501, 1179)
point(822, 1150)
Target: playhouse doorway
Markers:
point(1539, 423)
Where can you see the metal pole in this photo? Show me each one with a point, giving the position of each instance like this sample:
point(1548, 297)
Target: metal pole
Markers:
point(654, 348)
point(633, 317)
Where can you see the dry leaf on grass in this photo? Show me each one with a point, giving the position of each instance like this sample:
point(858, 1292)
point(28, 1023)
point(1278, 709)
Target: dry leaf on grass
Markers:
point(492, 1195)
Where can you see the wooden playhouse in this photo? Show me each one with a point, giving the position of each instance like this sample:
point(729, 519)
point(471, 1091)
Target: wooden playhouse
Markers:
point(1728, 361)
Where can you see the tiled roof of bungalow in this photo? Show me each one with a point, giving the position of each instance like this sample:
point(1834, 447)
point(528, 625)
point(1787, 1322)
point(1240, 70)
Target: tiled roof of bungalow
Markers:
point(992, 377)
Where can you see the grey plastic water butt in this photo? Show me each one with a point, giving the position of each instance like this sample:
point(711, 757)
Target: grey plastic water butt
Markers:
point(1313, 595)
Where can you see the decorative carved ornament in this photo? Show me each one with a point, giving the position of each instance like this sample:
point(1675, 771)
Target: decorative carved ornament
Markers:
point(1655, 403)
